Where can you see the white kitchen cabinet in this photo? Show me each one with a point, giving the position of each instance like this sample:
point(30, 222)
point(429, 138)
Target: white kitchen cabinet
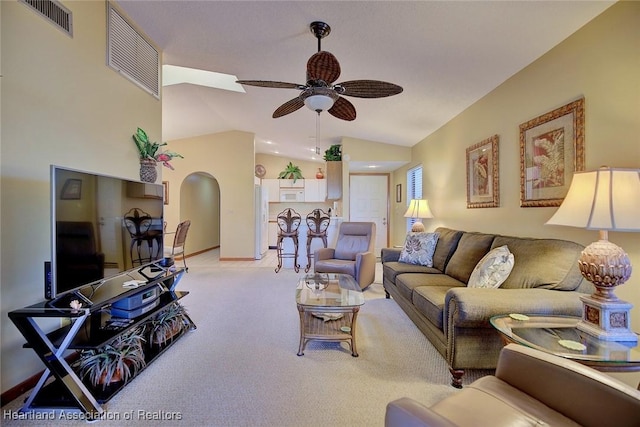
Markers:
point(315, 190)
point(288, 183)
point(273, 187)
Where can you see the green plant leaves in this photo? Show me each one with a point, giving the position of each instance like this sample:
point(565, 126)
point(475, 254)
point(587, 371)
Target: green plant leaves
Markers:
point(291, 172)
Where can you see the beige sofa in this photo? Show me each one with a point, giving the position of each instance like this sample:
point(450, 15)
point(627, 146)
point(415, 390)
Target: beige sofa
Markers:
point(455, 318)
point(530, 388)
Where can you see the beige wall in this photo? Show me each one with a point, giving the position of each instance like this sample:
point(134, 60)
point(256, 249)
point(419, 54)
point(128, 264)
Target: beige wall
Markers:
point(60, 105)
point(228, 158)
point(600, 62)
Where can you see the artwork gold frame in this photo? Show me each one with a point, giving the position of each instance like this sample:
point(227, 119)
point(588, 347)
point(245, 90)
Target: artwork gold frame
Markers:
point(165, 188)
point(551, 150)
point(483, 174)
point(398, 193)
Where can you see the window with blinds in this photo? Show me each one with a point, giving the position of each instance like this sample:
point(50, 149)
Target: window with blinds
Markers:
point(414, 189)
point(130, 54)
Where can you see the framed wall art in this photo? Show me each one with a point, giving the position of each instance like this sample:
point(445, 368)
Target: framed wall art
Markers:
point(165, 188)
point(398, 193)
point(551, 150)
point(72, 189)
point(483, 178)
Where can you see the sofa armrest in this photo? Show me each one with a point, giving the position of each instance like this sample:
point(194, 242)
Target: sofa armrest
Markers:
point(550, 379)
point(473, 307)
point(406, 412)
point(390, 255)
point(365, 268)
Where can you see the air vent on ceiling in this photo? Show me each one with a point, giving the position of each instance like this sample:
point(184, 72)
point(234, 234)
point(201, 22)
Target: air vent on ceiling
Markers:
point(129, 53)
point(54, 12)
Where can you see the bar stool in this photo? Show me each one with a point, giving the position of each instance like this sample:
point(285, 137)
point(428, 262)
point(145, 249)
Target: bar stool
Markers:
point(317, 223)
point(288, 224)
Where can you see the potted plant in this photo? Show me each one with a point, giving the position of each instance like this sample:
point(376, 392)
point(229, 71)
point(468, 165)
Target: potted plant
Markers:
point(119, 360)
point(333, 153)
point(149, 154)
point(291, 172)
point(167, 324)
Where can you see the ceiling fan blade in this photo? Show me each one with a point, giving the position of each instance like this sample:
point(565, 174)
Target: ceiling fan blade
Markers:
point(323, 66)
point(369, 88)
point(288, 107)
point(266, 83)
point(343, 109)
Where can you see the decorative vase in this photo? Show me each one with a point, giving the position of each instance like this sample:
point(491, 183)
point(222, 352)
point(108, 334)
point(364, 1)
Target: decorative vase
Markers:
point(319, 174)
point(148, 171)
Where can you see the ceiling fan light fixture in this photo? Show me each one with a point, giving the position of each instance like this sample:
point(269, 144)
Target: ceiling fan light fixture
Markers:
point(319, 99)
point(319, 103)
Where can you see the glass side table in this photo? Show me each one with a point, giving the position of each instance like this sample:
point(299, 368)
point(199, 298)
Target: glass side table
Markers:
point(559, 335)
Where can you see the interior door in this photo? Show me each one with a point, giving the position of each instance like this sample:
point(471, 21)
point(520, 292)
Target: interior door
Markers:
point(368, 201)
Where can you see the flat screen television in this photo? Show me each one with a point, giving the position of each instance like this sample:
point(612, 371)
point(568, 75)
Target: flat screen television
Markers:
point(101, 226)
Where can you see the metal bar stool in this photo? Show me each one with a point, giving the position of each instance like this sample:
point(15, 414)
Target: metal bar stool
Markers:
point(317, 223)
point(288, 224)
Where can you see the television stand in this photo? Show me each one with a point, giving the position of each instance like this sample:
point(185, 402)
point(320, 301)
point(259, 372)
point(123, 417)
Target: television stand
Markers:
point(88, 329)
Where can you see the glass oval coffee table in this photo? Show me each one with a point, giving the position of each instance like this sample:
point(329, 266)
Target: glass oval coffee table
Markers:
point(559, 335)
point(328, 305)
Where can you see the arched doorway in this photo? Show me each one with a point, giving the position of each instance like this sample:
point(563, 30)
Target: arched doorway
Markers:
point(200, 202)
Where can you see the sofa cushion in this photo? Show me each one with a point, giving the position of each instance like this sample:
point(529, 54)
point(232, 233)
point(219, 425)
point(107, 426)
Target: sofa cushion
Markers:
point(471, 248)
point(419, 248)
point(447, 244)
point(336, 266)
point(429, 300)
point(493, 269)
point(542, 263)
point(406, 283)
point(390, 270)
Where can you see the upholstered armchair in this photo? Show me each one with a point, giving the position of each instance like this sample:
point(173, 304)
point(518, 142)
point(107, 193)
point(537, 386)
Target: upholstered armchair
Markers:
point(354, 253)
point(530, 388)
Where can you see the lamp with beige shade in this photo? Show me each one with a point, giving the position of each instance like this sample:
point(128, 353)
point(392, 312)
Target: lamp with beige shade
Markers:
point(419, 209)
point(607, 199)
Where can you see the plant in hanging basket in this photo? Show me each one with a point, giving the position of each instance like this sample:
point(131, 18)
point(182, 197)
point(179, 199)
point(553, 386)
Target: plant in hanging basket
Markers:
point(167, 324)
point(291, 172)
point(119, 360)
point(150, 150)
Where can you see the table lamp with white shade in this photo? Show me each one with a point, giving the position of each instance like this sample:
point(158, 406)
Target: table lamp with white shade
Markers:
point(607, 199)
point(418, 209)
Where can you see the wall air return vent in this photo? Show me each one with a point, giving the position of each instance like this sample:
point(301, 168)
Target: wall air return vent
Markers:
point(54, 12)
point(129, 53)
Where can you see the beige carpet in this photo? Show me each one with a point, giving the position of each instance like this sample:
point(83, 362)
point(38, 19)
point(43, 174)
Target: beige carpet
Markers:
point(240, 368)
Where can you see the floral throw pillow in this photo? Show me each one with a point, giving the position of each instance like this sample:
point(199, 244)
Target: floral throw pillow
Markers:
point(419, 248)
point(493, 269)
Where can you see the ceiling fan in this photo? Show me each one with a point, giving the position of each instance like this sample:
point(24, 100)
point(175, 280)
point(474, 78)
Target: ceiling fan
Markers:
point(320, 93)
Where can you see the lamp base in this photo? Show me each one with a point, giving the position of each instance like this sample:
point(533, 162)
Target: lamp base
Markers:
point(607, 320)
point(417, 227)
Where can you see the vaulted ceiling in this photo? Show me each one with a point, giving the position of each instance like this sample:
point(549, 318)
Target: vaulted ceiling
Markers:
point(445, 54)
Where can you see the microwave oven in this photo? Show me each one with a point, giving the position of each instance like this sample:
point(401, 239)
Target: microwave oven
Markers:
point(291, 195)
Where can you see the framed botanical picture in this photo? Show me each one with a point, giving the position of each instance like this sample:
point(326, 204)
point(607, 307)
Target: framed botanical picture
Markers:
point(551, 150)
point(398, 193)
point(165, 188)
point(483, 178)
point(72, 189)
